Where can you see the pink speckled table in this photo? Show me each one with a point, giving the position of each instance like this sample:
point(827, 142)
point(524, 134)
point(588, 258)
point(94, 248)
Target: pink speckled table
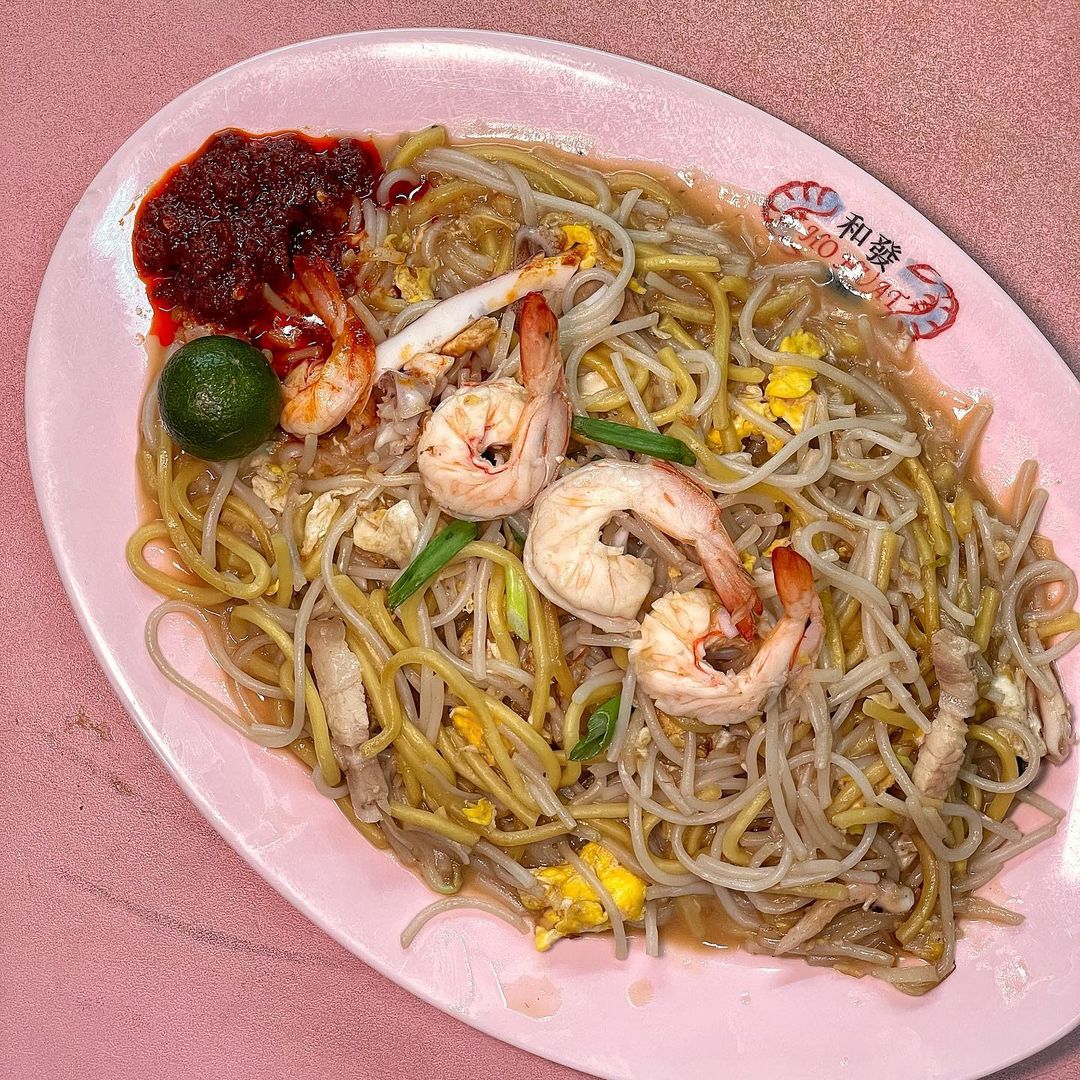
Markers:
point(135, 942)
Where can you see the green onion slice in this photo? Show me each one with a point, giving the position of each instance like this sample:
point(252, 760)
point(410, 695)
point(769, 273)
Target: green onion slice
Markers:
point(636, 440)
point(439, 551)
point(517, 604)
point(600, 731)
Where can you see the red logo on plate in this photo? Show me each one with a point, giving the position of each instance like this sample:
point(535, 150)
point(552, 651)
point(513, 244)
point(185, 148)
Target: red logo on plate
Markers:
point(866, 260)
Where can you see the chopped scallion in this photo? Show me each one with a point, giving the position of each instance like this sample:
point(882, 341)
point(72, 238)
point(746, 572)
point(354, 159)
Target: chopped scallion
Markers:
point(599, 732)
point(517, 604)
point(439, 551)
point(636, 440)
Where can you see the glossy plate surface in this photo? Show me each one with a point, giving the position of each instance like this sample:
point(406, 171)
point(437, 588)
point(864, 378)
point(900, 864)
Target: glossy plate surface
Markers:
point(690, 1013)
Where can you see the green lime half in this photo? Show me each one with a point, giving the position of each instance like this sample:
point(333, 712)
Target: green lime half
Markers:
point(219, 398)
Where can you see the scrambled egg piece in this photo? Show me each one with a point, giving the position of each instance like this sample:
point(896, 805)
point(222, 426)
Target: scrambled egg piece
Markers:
point(391, 532)
point(270, 482)
point(789, 382)
point(414, 283)
point(804, 343)
point(749, 561)
point(794, 412)
point(788, 397)
point(481, 813)
point(789, 394)
point(469, 726)
point(387, 254)
point(635, 286)
point(581, 236)
point(570, 906)
point(473, 337)
point(784, 541)
point(751, 398)
point(317, 522)
point(789, 390)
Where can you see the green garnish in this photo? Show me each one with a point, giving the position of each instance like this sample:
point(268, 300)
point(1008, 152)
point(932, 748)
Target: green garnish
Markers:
point(636, 440)
point(517, 604)
point(599, 732)
point(442, 547)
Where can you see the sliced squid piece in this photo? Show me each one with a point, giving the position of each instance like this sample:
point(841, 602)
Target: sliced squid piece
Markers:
point(449, 318)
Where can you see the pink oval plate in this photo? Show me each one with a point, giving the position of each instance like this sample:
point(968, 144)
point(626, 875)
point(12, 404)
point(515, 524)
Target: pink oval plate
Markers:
point(690, 1014)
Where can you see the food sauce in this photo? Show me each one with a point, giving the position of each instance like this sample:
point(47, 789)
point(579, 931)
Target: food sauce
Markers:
point(230, 219)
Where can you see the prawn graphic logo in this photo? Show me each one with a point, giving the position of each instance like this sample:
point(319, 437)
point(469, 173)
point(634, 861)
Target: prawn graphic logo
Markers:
point(801, 213)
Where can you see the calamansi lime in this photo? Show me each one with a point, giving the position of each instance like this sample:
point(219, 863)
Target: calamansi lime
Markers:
point(219, 398)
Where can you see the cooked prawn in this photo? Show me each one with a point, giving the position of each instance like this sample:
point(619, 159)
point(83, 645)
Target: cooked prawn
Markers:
point(320, 394)
point(574, 568)
point(669, 657)
point(533, 421)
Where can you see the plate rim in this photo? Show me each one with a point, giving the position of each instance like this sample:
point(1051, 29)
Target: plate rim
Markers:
point(518, 45)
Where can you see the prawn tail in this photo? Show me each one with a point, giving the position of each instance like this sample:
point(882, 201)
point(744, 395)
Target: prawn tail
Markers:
point(720, 560)
point(736, 591)
point(538, 330)
point(542, 434)
point(795, 586)
point(738, 596)
point(794, 578)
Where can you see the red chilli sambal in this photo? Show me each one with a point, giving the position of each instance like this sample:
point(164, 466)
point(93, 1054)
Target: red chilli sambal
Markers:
point(228, 220)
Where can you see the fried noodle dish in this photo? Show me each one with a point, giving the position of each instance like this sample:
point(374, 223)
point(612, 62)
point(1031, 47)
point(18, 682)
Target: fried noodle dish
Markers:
point(594, 551)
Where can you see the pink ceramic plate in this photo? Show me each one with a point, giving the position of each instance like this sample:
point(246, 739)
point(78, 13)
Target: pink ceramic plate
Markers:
point(691, 1013)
